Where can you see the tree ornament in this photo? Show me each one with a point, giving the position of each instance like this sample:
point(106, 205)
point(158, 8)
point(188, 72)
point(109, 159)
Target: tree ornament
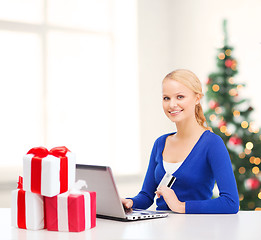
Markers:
point(252, 183)
point(213, 104)
point(209, 80)
point(235, 140)
point(228, 63)
point(235, 144)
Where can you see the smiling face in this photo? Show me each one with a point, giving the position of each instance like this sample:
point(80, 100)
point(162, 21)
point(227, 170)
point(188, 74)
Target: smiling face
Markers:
point(178, 100)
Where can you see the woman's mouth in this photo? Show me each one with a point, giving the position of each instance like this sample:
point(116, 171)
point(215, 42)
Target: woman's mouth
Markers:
point(176, 112)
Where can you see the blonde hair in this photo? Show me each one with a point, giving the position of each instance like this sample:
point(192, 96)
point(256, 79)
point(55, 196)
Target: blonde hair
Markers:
point(190, 80)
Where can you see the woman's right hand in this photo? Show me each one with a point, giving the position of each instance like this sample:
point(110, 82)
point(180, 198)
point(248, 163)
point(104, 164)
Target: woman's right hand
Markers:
point(127, 203)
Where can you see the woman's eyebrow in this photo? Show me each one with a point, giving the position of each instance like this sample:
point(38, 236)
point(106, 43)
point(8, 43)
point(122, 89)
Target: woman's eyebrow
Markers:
point(166, 94)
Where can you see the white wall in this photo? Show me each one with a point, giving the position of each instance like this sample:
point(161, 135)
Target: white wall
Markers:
point(186, 34)
point(154, 51)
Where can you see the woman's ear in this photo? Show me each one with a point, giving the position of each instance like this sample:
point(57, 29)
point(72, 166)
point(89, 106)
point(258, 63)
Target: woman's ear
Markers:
point(198, 97)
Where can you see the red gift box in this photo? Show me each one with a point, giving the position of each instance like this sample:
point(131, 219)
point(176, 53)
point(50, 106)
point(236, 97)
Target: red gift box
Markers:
point(48, 173)
point(71, 212)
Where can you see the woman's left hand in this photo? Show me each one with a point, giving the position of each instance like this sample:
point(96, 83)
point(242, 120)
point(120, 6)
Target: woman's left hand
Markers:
point(171, 199)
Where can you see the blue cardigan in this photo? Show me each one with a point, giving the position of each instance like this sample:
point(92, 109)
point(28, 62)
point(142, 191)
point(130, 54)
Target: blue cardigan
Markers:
point(207, 162)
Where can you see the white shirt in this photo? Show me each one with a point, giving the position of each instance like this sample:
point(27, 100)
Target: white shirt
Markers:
point(171, 167)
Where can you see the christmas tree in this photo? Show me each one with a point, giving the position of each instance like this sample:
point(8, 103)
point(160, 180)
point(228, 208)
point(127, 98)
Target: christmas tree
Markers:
point(229, 116)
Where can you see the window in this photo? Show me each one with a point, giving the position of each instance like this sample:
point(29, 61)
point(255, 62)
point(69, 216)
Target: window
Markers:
point(69, 77)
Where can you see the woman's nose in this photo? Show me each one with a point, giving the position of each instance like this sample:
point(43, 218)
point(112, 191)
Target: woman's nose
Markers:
point(173, 103)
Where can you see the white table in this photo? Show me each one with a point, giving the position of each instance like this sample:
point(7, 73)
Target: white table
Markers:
point(244, 225)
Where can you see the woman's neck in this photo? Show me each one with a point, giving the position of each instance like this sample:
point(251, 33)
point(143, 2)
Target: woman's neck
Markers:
point(188, 129)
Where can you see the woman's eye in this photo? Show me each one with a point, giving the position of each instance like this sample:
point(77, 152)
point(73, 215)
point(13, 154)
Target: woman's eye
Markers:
point(165, 98)
point(180, 97)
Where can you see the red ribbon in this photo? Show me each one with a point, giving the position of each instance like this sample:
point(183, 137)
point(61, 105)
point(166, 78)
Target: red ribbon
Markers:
point(36, 167)
point(61, 152)
point(21, 208)
point(20, 183)
point(76, 213)
point(51, 217)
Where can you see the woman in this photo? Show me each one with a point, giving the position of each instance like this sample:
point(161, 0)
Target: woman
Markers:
point(194, 155)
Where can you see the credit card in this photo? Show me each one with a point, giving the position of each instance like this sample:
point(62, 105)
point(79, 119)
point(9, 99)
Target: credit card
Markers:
point(168, 180)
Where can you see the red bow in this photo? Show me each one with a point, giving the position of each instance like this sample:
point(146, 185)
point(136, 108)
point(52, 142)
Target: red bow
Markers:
point(59, 151)
point(42, 152)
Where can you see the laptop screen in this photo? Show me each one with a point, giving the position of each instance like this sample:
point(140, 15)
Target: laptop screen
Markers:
point(100, 180)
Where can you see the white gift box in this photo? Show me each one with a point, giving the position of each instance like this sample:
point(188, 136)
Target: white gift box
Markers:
point(27, 210)
point(48, 173)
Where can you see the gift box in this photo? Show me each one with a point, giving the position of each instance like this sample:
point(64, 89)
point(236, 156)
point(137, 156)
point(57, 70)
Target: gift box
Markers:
point(27, 209)
point(48, 173)
point(74, 211)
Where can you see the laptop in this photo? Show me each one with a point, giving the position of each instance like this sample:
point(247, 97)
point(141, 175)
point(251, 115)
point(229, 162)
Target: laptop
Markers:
point(108, 202)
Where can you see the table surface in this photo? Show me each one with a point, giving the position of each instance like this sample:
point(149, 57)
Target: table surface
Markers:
point(244, 225)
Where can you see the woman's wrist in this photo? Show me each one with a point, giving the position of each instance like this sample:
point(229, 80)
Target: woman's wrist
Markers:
point(177, 206)
point(182, 207)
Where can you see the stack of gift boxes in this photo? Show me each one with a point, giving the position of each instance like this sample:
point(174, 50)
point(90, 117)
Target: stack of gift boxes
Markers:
point(47, 196)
